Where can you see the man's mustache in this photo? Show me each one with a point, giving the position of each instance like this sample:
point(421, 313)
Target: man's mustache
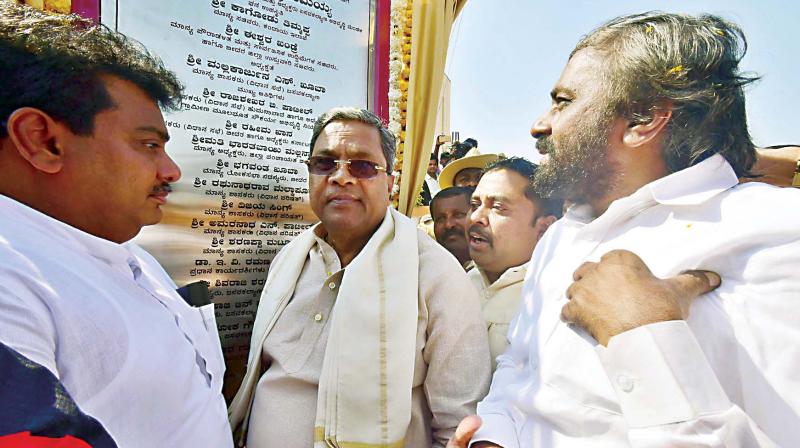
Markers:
point(545, 145)
point(164, 188)
point(458, 231)
point(481, 233)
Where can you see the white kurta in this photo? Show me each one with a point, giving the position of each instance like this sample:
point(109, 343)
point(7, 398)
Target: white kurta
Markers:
point(728, 376)
point(451, 358)
point(106, 320)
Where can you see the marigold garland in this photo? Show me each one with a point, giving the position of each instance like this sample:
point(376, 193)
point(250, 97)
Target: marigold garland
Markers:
point(59, 6)
point(399, 70)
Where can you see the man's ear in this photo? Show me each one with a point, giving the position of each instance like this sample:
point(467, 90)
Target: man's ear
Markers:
point(639, 133)
point(34, 135)
point(390, 181)
point(542, 224)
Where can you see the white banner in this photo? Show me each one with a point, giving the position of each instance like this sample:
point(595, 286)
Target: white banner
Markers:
point(257, 74)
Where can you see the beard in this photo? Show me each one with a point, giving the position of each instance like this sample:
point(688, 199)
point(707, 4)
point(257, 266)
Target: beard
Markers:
point(578, 170)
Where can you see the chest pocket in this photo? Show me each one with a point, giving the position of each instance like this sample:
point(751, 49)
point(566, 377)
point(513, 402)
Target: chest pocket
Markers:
point(292, 347)
point(498, 340)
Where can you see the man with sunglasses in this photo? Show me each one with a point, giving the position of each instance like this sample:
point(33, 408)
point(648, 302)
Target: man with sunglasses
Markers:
point(368, 332)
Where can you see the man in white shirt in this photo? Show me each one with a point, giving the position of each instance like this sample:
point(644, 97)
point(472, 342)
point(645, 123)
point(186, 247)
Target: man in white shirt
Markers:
point(431, 184)
point(609, 348)
point(82, 169)
point(507, 219)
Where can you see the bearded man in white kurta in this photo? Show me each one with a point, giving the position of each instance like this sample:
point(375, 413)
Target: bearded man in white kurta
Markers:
point(609, 348)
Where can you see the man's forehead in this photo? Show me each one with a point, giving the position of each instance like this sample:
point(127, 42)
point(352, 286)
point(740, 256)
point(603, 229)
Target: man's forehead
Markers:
point(582, 72)
point(133, 107)
point(133, 122)
point(500, 184)
point(349, 129)
point(450, 203)
point(453, 201)
point(159, 131)
point(468, 172)
point(354, 137)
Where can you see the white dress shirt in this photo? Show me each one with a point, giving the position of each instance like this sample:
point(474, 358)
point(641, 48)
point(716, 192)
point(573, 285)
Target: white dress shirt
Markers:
point(728, 376)
point(433, 185)
point(106, 320)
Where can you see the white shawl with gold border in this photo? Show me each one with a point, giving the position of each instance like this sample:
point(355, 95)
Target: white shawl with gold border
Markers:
point(364, 397)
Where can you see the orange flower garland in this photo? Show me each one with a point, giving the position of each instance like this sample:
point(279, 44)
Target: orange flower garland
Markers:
point(399, 70)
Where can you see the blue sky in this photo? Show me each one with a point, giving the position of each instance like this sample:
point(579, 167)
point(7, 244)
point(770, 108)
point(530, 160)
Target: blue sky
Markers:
point(505, 56)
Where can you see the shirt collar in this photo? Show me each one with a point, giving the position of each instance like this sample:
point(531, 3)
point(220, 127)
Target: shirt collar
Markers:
point(696, 184)
point(689, 186)
point(511, 275)
point(329, 256)
point(107, 251)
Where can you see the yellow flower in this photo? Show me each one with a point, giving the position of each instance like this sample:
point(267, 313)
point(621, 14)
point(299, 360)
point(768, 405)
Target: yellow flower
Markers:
point(676, 69)
point(60, 6)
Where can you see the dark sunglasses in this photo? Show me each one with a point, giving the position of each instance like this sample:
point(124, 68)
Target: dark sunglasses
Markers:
point(361, 169)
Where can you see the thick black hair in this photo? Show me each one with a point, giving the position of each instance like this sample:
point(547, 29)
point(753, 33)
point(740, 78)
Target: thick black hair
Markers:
point(55, 63)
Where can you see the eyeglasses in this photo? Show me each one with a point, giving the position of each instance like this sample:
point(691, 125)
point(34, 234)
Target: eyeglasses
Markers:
point(361, 169)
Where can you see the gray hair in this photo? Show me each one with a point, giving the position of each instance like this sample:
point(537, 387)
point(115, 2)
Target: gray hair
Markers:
point(690, 62)
point(388, 144)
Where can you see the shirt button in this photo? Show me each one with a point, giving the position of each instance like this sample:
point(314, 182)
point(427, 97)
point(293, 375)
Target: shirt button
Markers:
point(332, 285)
point(318, 317)
point(625, 383)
